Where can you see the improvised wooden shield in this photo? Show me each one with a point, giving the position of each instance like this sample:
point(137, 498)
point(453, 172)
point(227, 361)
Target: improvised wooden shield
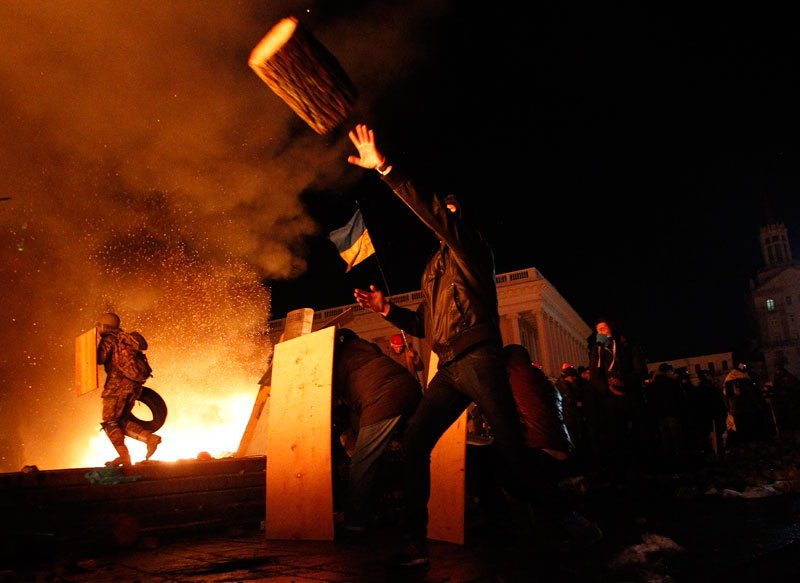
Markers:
point(86, 375)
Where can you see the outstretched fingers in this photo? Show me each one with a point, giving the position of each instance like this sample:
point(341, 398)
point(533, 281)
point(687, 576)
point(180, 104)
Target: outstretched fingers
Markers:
point(361, 136)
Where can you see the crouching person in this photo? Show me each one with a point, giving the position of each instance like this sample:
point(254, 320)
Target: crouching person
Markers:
point(381, 395)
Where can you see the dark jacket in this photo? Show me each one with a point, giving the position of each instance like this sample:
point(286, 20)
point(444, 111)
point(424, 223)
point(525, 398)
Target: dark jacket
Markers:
point(372, 385)
point(540, 408)
point(741, 393)
point(459, 307)
point(622, 361)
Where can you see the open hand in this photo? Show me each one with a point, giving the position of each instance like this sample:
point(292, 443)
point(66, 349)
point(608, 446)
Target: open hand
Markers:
point(372, 300)
point(363, 139)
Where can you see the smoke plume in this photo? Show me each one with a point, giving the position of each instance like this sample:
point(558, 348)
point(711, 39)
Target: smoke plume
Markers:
point(151, 173)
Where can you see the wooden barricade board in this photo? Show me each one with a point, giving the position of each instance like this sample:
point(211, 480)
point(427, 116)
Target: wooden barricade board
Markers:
point(448, 469)
point(86, 375)
point(254, 438)
point(299, 502)
point(298, 323)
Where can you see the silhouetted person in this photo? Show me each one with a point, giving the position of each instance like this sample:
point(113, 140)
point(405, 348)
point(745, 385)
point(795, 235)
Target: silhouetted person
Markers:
point(459, 318)
point(744, 404)
point(572, 388)
point(380, 394)
point(665, 405)
point(617, 372)
point(122, 355)
point(541, 412)
point(406, 356)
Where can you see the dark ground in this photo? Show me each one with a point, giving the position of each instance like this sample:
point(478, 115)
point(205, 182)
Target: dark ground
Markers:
point(732, 518)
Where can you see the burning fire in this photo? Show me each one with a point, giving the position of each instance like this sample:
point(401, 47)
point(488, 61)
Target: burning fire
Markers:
point(205, 326)
point(222, 421)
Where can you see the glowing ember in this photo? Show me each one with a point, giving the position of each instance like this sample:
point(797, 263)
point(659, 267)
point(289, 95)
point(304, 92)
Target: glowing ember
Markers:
point(205, 324)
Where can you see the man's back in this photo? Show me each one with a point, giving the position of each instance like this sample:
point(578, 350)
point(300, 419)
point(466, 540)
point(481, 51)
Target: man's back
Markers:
point(375, 386)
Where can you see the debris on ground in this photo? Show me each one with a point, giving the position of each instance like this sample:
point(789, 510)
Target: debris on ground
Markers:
point(108, 475)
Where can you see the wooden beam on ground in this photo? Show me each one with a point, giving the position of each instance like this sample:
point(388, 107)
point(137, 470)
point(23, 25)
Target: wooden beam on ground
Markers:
point(70, 509)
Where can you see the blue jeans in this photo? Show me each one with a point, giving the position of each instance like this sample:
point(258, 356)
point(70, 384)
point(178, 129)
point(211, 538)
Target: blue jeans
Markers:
point(479, 376)
point(370, 444)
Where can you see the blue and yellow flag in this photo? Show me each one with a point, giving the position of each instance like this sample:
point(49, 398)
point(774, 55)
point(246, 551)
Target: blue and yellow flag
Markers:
point(352, 241)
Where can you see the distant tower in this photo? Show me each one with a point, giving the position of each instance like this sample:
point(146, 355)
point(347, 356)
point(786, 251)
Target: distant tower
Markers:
point(775, 246)
point(775, 300)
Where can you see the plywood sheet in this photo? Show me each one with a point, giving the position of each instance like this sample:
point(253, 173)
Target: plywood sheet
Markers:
point(86, 376)
point(298, 323)
point(299, 497)
point(448, 465)
point(254, 438)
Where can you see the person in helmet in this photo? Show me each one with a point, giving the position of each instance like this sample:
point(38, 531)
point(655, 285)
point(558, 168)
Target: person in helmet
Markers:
point(405, 356)
point(121, 354)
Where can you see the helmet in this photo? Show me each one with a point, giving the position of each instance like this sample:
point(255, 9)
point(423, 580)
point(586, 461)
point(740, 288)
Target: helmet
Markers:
point(108, 320)
point(397, 340)
point(569, 371)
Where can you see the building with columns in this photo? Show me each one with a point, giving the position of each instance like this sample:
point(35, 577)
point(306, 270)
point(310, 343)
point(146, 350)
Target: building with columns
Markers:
point(532, 313)
point(717, 366)
point(775, 301)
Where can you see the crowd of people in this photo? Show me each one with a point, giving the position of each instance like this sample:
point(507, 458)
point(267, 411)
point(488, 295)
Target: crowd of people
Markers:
point(619, 415)
point(610, 414)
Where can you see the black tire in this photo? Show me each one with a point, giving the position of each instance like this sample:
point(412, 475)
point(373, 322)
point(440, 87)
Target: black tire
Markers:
point(157, 407)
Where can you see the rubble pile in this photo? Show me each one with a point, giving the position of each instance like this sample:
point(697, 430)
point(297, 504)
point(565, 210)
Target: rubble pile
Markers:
point(759, 466)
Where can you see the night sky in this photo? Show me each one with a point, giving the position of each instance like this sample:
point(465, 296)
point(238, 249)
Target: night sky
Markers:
point(628, 152)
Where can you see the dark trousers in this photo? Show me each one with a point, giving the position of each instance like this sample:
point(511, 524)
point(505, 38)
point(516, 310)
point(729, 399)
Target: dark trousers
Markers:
point(477, 376)
point(370, 444)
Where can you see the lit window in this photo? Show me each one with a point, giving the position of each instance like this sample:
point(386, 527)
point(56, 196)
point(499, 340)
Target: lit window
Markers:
point(770, 305)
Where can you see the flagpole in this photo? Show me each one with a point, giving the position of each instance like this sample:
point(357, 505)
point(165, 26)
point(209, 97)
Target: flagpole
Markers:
point(383, 276)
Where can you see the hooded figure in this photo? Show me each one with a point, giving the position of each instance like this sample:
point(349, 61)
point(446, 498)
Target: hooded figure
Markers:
point(744, 404)
point(617, 373)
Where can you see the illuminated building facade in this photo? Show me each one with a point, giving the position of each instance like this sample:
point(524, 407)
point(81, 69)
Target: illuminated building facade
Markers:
point(532, 313)
point(775, 301)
